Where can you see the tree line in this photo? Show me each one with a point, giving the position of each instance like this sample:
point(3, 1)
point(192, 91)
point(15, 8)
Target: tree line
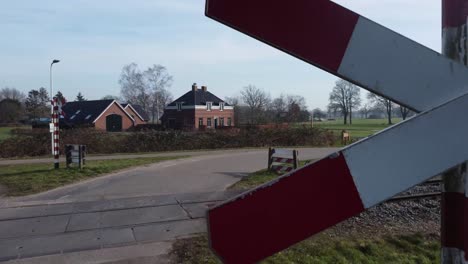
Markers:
point(345, 99)
point(255, 106)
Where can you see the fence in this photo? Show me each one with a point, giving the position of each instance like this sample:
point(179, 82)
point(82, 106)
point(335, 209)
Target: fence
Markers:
point(76, 154)
point(282, 160)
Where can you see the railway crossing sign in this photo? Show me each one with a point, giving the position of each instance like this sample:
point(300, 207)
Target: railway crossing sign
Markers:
point(278, 214)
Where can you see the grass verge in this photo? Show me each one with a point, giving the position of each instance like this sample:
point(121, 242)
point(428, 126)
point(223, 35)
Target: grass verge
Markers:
point(27, 179)
point(259, 177)
point(321, 249)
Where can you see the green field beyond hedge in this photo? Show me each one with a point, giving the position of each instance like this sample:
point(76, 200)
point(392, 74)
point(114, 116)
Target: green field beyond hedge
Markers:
point(360, 127)
point(5, 132)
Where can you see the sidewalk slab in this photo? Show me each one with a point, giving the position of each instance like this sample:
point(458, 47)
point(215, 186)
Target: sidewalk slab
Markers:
point(126, 217)
point(33, 226)
point(154, 253)
point(62, 243)
point(206, 196)
point(35, 211)
point(197, 210)
point(122, 203)
point(171, 230)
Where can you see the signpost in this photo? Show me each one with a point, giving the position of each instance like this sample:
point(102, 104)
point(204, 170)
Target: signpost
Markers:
point(278, 214)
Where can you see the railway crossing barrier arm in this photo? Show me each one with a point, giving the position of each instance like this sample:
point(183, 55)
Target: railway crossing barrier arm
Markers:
point(255, 217)
point(354, 48)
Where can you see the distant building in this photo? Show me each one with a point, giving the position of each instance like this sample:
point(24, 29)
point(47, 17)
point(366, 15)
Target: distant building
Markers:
point(106, 115)
point(198, 109)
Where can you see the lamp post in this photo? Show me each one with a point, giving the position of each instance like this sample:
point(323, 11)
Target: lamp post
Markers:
point(53, 62)
point(54, 129)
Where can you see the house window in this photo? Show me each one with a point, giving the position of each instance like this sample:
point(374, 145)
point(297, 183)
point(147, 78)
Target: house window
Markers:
point(229, 121)
point(221, 121)
point(208, 106)
point(200, 121)
point(179, 106)
point(221, 106)
point(208, 122)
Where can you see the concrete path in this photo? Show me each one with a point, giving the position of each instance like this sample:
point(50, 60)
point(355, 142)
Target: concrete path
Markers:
point(201, 173)
point(48, 229)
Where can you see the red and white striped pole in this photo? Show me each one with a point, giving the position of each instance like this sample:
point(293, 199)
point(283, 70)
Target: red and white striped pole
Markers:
point(454, 215)
point(55, 132)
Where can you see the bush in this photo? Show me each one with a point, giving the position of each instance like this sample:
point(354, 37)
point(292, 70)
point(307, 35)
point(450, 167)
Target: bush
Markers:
point(37, 142)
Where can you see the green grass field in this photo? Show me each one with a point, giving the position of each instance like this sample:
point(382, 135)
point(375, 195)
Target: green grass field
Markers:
point(27, 179)
point(5, 132)
point(360, 127)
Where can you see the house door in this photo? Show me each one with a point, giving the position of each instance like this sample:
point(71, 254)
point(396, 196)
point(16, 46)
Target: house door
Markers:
point(114, 123)
point(216, 122)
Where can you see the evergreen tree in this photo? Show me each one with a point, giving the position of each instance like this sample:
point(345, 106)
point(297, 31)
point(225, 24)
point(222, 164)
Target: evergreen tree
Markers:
point(80, 97)
point(36, 103)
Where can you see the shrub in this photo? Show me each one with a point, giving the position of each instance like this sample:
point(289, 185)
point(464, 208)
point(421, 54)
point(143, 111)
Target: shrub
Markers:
point(37, 142)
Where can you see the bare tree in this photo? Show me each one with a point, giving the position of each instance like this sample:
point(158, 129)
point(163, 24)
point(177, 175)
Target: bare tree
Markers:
point(158, 80)
point(404, 112)
point(11, 110)
point(365, 110)
point(257, 100)
point(346, 97)
point(382, 103)
point(147, 89)
point(132, 86)
point(317, 113)
point(111, 97)
point(296, 105)
point(235, 101)
point(11, 93)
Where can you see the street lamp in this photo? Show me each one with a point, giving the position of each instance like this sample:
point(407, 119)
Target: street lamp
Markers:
point(53, 62)
point(54, 123)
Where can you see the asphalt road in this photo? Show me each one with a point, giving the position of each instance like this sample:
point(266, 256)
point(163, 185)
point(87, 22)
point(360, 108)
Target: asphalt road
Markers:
point(202, 172)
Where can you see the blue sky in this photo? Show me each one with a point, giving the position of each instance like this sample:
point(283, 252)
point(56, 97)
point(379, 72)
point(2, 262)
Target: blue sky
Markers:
point(95, 39)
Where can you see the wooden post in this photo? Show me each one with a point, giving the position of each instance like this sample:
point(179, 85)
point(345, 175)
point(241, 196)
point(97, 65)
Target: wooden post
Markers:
point(296, 162)
point(80, 157)
point(270, 153)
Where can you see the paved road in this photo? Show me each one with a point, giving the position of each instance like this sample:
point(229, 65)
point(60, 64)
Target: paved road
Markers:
point(200, 173)
point(129, 209)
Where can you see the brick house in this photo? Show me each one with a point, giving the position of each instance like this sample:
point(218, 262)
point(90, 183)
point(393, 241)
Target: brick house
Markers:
point(198, 109)
point(138, 114)
point(106, 115)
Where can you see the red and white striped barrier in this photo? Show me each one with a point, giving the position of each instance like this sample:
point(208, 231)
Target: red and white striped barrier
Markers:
point(350, 46)
point(281, 168)
point(281, 213)
point(454, 213)
point(55, 132)
point(308, 200)
point(282, 160)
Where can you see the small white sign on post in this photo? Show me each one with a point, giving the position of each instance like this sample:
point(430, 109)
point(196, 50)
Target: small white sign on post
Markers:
point(51, 127)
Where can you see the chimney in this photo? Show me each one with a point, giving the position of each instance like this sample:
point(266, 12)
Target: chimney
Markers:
point(204, 88)
point(194, 87)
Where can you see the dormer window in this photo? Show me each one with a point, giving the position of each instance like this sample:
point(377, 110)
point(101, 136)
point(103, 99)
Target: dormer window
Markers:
point(221, 106)
point(208, 106)
point(179, 106)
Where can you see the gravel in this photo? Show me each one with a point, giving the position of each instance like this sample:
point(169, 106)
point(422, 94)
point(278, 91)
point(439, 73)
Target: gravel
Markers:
point(397, 217)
